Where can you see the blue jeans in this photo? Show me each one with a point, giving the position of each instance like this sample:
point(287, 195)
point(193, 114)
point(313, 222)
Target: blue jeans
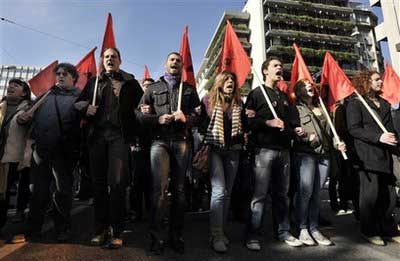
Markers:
point(168, 157)
point(223, 169)
point(271, 167)
point(311, 172)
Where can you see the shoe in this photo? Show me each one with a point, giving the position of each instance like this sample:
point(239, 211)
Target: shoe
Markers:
point(19, 217)
point(18, 239)
point(375, 240)
point(321, 239)
point(292, 241)
point(218, 245)
point(253, 245)
point(115, 243)
point(99, 239)
point(156, 247)
point(178, 245)
point(395, 239)
point(306, 238)
point(226, 240)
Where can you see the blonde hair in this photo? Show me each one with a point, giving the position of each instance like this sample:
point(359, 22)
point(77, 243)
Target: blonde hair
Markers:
point(217, 90)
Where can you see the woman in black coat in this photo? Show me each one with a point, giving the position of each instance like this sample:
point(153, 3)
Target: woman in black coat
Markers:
point(374, 149)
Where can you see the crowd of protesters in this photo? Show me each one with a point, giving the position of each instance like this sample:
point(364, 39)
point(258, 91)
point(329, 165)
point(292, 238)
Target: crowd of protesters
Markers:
point(150, 140)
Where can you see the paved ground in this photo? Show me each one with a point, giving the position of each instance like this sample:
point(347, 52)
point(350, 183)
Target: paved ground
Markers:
point(344, 232)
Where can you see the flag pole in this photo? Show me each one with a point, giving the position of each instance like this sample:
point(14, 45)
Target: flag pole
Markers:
point(38, 103)
point(334, 132)
point(180, 96)
point(371, 112)
point(96, 83)
point(270, 106)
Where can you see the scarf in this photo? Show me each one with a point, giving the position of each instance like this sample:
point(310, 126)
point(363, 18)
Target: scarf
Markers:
point(215, 130)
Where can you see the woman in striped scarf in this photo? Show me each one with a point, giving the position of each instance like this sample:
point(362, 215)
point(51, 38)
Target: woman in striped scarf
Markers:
point(224, 137)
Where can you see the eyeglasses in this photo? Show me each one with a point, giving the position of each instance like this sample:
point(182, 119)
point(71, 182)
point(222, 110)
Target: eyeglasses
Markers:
point(65, 74)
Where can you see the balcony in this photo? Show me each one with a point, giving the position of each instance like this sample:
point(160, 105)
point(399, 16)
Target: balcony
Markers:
point(291, 34)
point(310, 21)
point(312, 7)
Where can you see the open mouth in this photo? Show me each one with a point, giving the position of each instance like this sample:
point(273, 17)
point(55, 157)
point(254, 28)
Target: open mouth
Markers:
point(279, 74)
point(110, 64)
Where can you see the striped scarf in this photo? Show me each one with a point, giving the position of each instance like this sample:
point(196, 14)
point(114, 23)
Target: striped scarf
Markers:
point(215, 130)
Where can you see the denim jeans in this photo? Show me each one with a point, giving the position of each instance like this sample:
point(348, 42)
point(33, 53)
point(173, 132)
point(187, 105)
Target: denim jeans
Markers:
point(272, 167)
point(223, 169)
point(168, 157)
point(311, 172)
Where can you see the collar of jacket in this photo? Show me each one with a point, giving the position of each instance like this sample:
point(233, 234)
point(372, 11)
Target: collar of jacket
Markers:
point(125, 76)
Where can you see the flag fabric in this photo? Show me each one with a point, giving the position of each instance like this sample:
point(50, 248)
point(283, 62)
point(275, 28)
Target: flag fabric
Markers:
point(146, 73)
point(299, 68)
point(234, 58)
point(44, 80)
point(187, 72)
point(108, 39)
point(86, 69)
point(339, 85)
point(283, 86)
point(391, 85)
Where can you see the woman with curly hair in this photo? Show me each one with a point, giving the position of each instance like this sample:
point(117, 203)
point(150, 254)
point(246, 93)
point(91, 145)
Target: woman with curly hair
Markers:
point(375, 166)
point(224, 136)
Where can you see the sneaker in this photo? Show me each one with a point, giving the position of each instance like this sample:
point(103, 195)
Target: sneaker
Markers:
point(226, 240)
point(19, 217)
point(218, 245)
point(99, 239)
point(292, 241)
point(306, 238)
point(253, 245)
point(18, 239)
point(375, 240)
point(115, 243)
point(321, 239)
point(156, 247)
point(395, 239)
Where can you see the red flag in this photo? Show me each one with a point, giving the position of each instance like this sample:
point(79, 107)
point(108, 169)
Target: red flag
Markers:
point(44, 80)
point(391, 85)
point(86, 69)
point(108, 40)
point(146, 73)
point(234, 58)
point(282, 86)
point(299, 68)
point(339, 85)
point(187, 72)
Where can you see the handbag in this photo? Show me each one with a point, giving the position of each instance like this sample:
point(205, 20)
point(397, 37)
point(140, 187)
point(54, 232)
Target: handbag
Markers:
point(200, 159)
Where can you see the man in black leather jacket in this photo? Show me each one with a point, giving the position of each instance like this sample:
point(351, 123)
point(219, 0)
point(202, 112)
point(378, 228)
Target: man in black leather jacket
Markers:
point(170, 130)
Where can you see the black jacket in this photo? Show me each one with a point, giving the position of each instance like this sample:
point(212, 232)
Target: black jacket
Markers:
point(127, 102)
point(373, 156)
point(161, 102)
point(263, 136)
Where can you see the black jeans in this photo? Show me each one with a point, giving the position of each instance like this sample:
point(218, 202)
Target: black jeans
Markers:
point(109, 166)
point(43, 171)
point(12, 176)
point(377, 202)
point(168, 157)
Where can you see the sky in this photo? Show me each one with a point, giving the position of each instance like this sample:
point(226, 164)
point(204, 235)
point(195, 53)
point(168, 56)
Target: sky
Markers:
point(145, 30)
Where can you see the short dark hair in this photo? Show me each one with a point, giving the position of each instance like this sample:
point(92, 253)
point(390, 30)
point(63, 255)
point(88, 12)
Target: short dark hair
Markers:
point(25, 87)
point(69, 68)
point(176, 53)
point(266, 63)
point(115, 49)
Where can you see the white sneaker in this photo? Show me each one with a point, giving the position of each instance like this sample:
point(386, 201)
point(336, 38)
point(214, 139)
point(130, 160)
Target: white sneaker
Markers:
point(292, 241)
point(253, 245)
point(321, 239)
point(306, 238)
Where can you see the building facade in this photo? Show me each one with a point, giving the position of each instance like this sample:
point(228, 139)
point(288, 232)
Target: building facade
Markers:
point(316, 26)
point(389, 29)
point(22, 72)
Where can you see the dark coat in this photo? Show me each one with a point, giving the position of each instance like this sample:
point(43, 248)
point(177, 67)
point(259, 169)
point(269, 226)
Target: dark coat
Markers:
point(263, 136)
point(161, 102)
point(373, 156)
point(128, 100)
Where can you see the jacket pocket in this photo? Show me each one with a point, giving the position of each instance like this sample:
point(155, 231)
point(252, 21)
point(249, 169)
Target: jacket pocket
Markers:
point(160, 98)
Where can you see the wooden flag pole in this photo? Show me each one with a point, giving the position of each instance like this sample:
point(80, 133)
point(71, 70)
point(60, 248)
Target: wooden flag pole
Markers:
point(39, 102)
point(180, 96)
point(371, 112)
point(328, 118)
point(270, 106)
point(96, 83)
